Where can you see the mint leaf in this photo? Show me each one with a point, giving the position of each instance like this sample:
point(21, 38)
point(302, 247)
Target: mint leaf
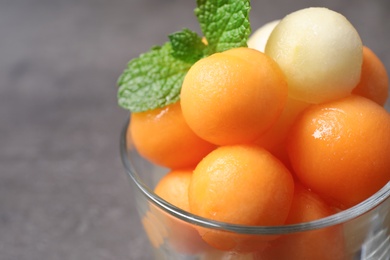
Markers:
point(224, 23)
point(152, 80)
point(187, 45)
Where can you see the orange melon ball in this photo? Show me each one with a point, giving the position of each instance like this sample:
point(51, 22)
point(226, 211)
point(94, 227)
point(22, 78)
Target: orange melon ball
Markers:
point(324, 244)
point(374, 80)
point(341, 149)
point(173, 188)
point(234, 96)
point(163, 137)
point(274, 139)
point(154, 227)
point(182, 236)
point(240, 184)
point(277, 134)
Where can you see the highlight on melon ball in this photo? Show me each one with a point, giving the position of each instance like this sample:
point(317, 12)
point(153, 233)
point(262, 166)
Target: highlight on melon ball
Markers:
point(259, 38)
point(182, 236)
point(234, 96)
point(163, 137)
point(320, 53)
point(374, 80)
point(240, 184)
point(340, 149)
point(325, 244)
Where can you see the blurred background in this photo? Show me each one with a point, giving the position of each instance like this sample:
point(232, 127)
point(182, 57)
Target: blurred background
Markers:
point(63, 191)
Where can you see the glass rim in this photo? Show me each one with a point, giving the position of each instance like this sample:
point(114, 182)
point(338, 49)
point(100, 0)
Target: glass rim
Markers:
point(341, 217)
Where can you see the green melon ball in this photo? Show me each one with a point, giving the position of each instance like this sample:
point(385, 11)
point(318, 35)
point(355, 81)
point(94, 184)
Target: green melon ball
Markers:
point(259, 38)
point(320, 52)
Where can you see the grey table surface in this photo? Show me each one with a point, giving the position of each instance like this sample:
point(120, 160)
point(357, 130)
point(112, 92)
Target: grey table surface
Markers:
point(63, 191)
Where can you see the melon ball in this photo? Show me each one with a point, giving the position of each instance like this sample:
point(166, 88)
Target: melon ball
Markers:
point(320, 52)
point(259, 38)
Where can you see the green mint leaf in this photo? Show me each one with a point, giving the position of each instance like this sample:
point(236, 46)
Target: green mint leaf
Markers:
point(152, 80)
point(224, 23)
point(187, 45)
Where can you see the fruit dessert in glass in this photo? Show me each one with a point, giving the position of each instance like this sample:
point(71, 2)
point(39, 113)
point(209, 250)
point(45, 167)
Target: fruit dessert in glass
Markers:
point(269, 147)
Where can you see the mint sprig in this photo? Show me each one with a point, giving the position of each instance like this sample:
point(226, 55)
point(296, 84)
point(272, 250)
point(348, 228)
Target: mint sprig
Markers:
point(154, 79)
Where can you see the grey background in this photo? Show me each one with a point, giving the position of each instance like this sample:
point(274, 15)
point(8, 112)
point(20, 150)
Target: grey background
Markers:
point(63, 192)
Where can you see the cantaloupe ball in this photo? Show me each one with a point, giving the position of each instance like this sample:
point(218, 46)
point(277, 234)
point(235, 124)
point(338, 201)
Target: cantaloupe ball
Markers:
point(319, 51)
point(259, 38)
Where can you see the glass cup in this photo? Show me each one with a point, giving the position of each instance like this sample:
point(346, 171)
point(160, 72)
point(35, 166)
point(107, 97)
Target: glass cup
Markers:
point(360, 232)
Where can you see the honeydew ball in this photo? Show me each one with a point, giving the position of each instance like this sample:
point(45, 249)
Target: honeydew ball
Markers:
point(320, 52)
point(259, 38)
